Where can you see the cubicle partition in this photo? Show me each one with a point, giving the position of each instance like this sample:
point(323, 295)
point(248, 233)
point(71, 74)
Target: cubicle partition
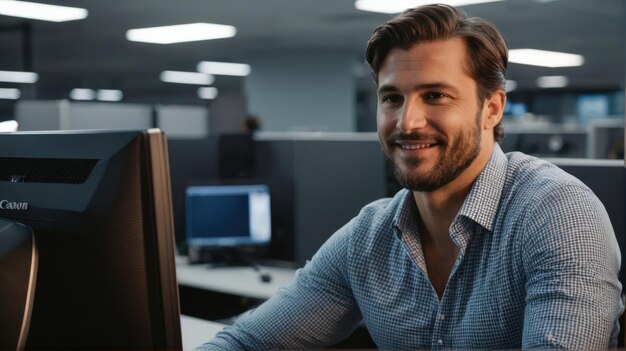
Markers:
point(190, 160)
point(320, 182)
point(547, 142)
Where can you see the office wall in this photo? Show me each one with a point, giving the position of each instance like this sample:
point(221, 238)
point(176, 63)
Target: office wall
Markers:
point(303, 90)
point(183, 121)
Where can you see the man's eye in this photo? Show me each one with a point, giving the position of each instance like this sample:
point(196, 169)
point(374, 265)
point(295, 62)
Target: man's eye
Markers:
point(392, 99)
point(434, 96)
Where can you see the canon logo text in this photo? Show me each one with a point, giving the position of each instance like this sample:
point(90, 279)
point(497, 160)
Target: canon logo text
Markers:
point(11, 205)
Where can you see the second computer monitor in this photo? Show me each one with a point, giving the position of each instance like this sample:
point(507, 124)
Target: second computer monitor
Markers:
point(226, 217)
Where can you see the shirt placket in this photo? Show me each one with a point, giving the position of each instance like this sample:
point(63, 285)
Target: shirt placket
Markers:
point(460, 236)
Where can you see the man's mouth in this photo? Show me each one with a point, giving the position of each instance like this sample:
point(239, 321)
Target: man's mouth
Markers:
point(416, 146)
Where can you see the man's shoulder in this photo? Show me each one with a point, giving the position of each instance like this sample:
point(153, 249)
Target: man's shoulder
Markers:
point(533, 185)
point(529, 174)
point(385, 207)
point(378, 216)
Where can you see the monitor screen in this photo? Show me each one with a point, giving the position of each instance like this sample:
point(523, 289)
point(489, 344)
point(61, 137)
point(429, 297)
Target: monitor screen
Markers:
point(86, 242)
point(228, 215)
point(592, 106)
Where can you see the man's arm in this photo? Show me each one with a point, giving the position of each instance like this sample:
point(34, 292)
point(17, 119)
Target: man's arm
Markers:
point(317, 309)
point(571, 261)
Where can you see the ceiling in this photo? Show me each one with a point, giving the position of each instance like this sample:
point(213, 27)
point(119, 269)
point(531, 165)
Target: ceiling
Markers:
point(93, 53)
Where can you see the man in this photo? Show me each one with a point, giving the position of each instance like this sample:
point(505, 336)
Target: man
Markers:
point(482, 250)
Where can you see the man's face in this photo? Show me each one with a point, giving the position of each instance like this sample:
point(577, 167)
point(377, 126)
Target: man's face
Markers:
point(429, 120)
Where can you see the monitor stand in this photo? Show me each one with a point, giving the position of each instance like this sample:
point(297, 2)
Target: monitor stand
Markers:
point(18, 275)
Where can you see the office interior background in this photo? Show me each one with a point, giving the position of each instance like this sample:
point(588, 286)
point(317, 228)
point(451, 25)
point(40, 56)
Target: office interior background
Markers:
point(302, 73)
point(305, 78)
point(306, 59)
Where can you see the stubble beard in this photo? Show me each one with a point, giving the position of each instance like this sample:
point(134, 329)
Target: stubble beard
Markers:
point(455, 159)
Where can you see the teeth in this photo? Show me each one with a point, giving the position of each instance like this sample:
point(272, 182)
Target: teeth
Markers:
point(415, 146)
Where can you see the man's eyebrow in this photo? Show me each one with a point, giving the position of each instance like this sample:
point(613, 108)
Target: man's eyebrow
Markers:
point(425, 86)
point(437, 86)
point(386, 88)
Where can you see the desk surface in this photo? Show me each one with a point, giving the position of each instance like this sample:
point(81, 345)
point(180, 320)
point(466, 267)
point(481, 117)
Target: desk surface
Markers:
point(241, 281)
point(197, 331)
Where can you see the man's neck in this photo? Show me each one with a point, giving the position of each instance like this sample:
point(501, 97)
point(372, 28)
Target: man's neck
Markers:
point(438, 208)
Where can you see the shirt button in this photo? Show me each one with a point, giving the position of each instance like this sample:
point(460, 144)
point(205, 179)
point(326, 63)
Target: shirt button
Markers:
point(440, 342)
point(441, 317)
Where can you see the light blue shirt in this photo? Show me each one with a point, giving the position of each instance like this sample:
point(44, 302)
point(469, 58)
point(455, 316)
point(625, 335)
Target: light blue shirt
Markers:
point(537, 267)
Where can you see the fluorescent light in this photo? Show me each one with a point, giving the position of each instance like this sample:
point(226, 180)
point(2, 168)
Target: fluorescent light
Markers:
point(397, 6)
point(82, 94)
point(545, 58)
point(552, 81)
point(208, 93)
point(10, 93)
point(187, 77)
point(224, 68)
point(44, 12)
point(18, 77)
point(8, 126)
point(510, 85)
point(109, 95)
point(181, 33)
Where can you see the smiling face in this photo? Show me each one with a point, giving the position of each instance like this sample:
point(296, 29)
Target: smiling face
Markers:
point(430, 122)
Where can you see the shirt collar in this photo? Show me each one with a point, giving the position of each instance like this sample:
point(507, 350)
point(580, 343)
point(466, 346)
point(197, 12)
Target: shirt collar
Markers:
point(480, 205)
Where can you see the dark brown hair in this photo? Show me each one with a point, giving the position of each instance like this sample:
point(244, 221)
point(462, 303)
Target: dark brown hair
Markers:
point(487, 53)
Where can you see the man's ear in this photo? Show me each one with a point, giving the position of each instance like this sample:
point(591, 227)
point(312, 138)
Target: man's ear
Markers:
point(494, 109)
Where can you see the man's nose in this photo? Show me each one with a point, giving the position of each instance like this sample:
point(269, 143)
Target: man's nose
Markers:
point(413, 117)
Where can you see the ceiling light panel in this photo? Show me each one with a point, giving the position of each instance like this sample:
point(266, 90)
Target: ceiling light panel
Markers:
point(397, 6)
point(224, 68)
point(109, 95)
point(10, 93)
point(208, 93)
point(552, 81)
point(82, 94)
point(181, 33)
point(18, 77)
point(187, 77)
point(510, 85)
point(545, 58)
point(44, 12)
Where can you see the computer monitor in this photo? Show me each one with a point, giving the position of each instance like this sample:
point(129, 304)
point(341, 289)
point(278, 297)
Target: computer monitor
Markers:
point(86, 242)
point(226, 217)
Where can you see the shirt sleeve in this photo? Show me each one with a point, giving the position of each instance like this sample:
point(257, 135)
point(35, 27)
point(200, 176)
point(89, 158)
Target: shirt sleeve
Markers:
point(316, 310)
point(571, 262)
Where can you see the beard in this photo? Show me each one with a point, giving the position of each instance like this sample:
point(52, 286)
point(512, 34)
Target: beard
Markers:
point(457, 154)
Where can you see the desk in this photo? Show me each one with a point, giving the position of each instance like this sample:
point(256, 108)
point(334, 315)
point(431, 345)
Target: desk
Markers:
point(240, 281)
point(196, 331)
